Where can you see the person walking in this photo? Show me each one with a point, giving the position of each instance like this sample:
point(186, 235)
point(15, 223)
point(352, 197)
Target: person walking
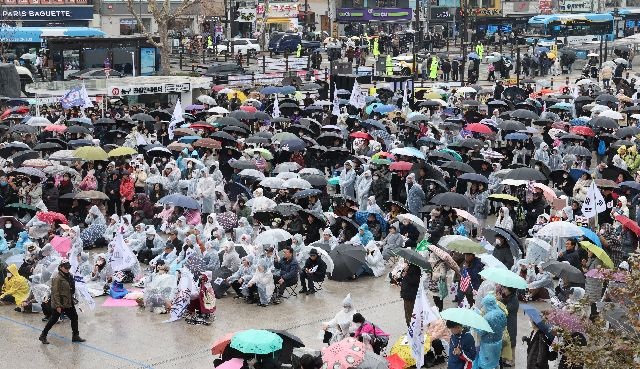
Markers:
point(62, 291)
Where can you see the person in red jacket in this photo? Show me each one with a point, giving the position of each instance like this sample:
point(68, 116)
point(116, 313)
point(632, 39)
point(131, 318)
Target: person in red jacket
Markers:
point(127, 190)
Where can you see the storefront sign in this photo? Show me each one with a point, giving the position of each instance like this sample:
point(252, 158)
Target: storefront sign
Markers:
point(283, 10)
point(443, 14)
point(374, 15)
point(148, 89)
point(147, 61)
point(246, 15)
point(47, 13)
point(574, 6)
point(545, 6)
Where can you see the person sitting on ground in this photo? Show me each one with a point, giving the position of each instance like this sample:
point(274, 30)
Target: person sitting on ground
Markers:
point(374, 263)
point(15, 288)
point(314, 270)
point(391, 243)
point(371, 335)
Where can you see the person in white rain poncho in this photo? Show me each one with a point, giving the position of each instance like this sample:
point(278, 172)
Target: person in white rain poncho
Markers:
point(77, 246)
point(125, 226)
point(172, 173)
point(137, 239)
point(363, 184)
point(181, 228)
point(328, 238)
point(297, 243)
point(260, 202)
point(504, 219)
point(206, 191)
point(166, 257)
point(263, 281)
point(340, 326)
point(242, 276)
point(209, 227)
point(160, 289)
point(218, 239)
point(230, 258)
point(112, 227)
point(96, 226)
point(244, 228)
point(374, 263)
point(372, 206)
point(211, 258)
point(348, 180)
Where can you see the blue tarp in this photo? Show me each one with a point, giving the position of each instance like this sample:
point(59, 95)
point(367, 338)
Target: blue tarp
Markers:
point(35, 34)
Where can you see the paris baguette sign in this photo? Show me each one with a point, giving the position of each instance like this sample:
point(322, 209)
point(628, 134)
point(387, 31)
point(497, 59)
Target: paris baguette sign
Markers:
point(374, 14)
point(38, 13)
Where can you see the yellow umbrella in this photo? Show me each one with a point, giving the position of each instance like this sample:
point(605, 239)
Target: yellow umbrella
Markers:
point(90, 153)
point(122, 151)
point(402, 348)
point(239, 94)
point(266, 154)
point(432, 95)
point(598, 252)
point(503, 197)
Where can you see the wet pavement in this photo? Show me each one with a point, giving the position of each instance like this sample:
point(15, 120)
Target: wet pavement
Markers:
point(128, 337)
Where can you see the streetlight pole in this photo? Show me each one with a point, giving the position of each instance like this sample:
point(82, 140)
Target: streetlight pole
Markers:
point(416, 39)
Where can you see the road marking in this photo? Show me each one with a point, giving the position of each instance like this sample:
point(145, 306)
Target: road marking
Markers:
point(84, 345)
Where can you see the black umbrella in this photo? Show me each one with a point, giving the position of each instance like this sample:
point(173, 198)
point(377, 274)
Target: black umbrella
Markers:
point(315, 180)
point(571, 136)
point(287, 209)
point(242, 164)
point(567, 272)
point(234, 189)
point(289, 342)
point(387, 206)
point(456, 165)
point(265, 217)
point(350, 223)
point(105, 121)
point(142, 117)
point(256, 140)
point(514, 94)
point(430, 170)
point(77, 130)
point(473, 177)
point(476, 164)
point(162, 114)
point(578, 151)
point(511, 125)
point(604, 122)
point(452, 199)
point(347, 259)
point(627, 131)
point(47, 146)
point(322, 245)
point(607, 98)
point(21, 156)
point(470, 143)
point(306, 193)
point(328, 139)
point(524, 114)
point(240, 114)
point(512, 239)
point(412, 257)
point(526, 174)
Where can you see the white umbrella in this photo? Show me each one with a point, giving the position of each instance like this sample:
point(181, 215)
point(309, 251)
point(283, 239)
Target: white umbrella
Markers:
point(466, 90)
point(635, 116)
point(272, 237)
point(218, 110)
point(560, 229)
point(585, 81)
point(272, 182)
point(287, 175)
point(38, 122)
point(261, 203)
point(253, 173)
point(543, 83)
point(611, 114)
point(311, 171)
point(205, 99)
point(413, 219)
point(537, 250)
point(408, 152)
point(62, 155)
point(466, 215)
point(620, 61)
point(491, 261)
point(599, 108)
point(298, 183)
point(226, 91)
point(609, 63)
point(440, 101)
point(593, 54)
point(323, 103)
point(514, 182)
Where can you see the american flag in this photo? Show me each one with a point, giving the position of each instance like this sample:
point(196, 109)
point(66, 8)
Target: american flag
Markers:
point(465, 280)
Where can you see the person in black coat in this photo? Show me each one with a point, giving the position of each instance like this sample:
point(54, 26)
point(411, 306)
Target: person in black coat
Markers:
point(534, 209)
point(314, 270)
point(572, 254)
point(497, 91)
point(112, 189)
point(409, 289)
point(50, 194)
point(380, 188)
point(538, 352)
point(502, 252)
point(312, 230)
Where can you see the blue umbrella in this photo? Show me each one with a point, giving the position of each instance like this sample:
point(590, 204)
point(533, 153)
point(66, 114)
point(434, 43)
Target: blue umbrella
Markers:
point(270, 90)
point(292, 145)
point(373, 123)
point(575, 173)
point(592, 236)
point(189, 139)
point(578, 122)
point(540, 49)
point(385, 109)
point(361, 218)
point(473, 56)
point(369, 109)
point(179, 200)
point(516, 136)
point(536, 317)
point(631, 184)
point(474, 177)
point(380, 133)
point(562, 106)
point(287, 90)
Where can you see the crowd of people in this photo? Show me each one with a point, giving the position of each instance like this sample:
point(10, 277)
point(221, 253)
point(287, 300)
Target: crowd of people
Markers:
point(263, 194)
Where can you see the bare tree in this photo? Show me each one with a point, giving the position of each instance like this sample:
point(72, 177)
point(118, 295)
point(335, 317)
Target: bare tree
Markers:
point(163, 14)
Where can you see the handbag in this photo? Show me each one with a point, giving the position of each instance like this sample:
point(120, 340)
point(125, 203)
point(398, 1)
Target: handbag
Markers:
point(378, 343)
point(326, 338)
point(117, 290)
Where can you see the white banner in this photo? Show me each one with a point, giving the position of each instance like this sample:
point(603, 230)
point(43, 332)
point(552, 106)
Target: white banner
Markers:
point(162, 88)
point(420, 319)
point(357, 99)
point(276, 107)
point(594, 202)
point(122, 257)
point(175, 118)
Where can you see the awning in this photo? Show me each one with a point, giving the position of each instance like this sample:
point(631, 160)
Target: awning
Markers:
point(279, 20)
point(35, 34)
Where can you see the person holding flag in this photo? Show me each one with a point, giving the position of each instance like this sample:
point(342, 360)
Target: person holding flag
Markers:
point(469, 279)
point(462, 347)
point(176, 118)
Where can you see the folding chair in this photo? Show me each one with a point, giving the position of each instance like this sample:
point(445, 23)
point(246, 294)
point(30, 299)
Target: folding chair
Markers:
point(318, 285)
point(290, 291)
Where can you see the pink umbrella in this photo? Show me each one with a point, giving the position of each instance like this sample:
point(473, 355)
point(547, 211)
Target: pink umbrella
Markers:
point(547, 191)
point(234, 363)
point(444, 256)
point(466, 215)
point(56, 128)
point(61, 244)
point(347, 353)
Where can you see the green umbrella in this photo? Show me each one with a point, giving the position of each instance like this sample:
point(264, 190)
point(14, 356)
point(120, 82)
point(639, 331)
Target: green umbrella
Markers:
point(466, 317)
point(452, 153)
point(466, 247)
point(256, 341)
point(504, 277)
point(381, 161)
point(19, 205)
point(334, 181)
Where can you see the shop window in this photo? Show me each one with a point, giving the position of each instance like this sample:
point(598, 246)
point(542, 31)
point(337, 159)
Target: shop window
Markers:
point(129, 26)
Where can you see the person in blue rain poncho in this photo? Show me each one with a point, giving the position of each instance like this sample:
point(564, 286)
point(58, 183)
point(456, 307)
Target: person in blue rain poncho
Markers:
point(491, 342)
point(23, 238)
point(4, 246)
point(363, 236)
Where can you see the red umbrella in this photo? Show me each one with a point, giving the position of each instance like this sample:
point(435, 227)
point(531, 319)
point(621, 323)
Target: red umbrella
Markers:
point(61, 245)
point(395, 362)
point(221, 344)
point(17, 110)
point(51, 217)
point(628, 223)
point(218, 88)
point(478, 128)
point(249, 109)
point(400, 166)
point(582, 131)
point(363, 135)
point(383, 155)
point(201, 126)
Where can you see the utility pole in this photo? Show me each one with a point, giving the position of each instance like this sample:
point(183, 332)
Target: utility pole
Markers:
point(416, 39)
point(305, 26)
point(463, 35)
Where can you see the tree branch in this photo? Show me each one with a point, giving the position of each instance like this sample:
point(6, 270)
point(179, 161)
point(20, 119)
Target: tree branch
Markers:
point(146, 32)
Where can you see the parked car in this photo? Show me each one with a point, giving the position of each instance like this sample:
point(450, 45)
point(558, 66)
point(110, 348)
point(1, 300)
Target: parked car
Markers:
point(281, 42)
point(241, 45)
point(220, 72)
